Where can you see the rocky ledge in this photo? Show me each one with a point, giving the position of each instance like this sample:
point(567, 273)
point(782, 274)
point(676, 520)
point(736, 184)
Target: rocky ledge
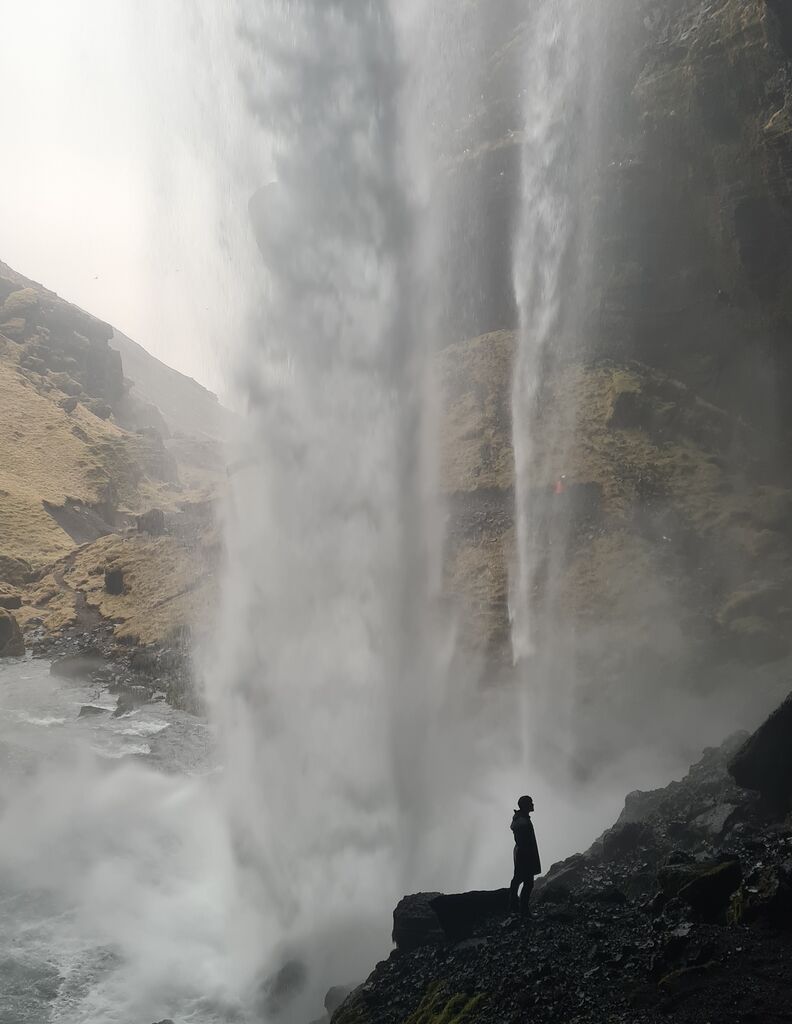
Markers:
point(682, 911)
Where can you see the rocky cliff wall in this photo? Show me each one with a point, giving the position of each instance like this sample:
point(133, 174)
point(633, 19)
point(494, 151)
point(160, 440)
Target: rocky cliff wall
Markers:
point(665, 567)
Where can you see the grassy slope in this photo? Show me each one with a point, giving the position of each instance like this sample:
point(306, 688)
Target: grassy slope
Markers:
point(49, 455)
point(169, 585)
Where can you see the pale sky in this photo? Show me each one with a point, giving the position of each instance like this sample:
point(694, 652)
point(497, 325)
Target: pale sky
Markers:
point(126, 173)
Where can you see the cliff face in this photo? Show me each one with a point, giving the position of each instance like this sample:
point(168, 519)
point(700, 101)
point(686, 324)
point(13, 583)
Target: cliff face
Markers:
point(83, 462)
point(667, 561)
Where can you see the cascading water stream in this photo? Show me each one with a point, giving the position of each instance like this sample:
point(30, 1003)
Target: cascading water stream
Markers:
point(325, 659)
point(545, 295)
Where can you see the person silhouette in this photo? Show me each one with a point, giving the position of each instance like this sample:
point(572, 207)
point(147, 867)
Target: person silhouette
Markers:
point(526, 857)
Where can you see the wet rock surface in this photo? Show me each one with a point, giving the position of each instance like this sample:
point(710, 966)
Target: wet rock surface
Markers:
point(133, 674)
point(764, 763)
point(682, 911)
point(12, 644)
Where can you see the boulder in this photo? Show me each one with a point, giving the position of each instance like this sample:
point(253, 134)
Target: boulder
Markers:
point(9, 600)
point(415, 922)
point(100, 409)
point(766, 900)
point(764, 762)
point(462, 913)
point(705, 887)
point(68, 405)
point(92, 710)
point(15, 571)
point(114, 581)
point(11, 643)
point(130, 698)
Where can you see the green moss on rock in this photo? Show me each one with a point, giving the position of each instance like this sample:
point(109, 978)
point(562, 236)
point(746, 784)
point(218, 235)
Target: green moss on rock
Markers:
point(21, 303)
point(438, 1007)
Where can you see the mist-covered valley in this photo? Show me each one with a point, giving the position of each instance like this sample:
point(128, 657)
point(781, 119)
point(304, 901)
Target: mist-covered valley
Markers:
point(495, 500)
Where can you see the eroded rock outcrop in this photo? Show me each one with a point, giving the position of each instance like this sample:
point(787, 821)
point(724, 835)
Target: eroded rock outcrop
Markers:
point(764, 763)
point(12, 644)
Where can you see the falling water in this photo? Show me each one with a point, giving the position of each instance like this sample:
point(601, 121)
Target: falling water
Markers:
point(324, 667)
point(544, 290)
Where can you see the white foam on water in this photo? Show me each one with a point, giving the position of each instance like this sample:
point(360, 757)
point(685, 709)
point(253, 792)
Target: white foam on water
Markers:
point(44, 721)
point(144, 728)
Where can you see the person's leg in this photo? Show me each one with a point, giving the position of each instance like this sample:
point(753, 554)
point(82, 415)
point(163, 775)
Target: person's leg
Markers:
point(514, 902)
point(525, 896)
point(515, 885)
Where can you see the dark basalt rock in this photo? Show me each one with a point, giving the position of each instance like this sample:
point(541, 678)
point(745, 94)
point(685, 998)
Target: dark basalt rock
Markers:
point(130, 698)
point(15, 571)
point(114, 581)
point(12, 645)
point(429, 918)
point(92, 711)
point(415, 922)
point(764, 763)
point(705, 888)
point(461, 914)
point(767, 900)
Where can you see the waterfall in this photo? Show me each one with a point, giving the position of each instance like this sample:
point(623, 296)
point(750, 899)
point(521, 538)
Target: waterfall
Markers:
point(545, 291)
point(324, 676)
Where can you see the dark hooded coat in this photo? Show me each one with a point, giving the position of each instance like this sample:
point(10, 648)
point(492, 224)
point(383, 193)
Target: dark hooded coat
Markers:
point(526, 852)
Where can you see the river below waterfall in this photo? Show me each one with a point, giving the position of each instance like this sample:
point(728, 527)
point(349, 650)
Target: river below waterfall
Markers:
point(41, 722)
point(106, 858)
point(122, 895)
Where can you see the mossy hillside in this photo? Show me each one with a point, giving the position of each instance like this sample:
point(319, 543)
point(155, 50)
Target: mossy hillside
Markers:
point(676, 482)
point(169, 584)
point(53, 456)
point(476, 458)
point(42, 459)
point(477, 579)
point(476, 450)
